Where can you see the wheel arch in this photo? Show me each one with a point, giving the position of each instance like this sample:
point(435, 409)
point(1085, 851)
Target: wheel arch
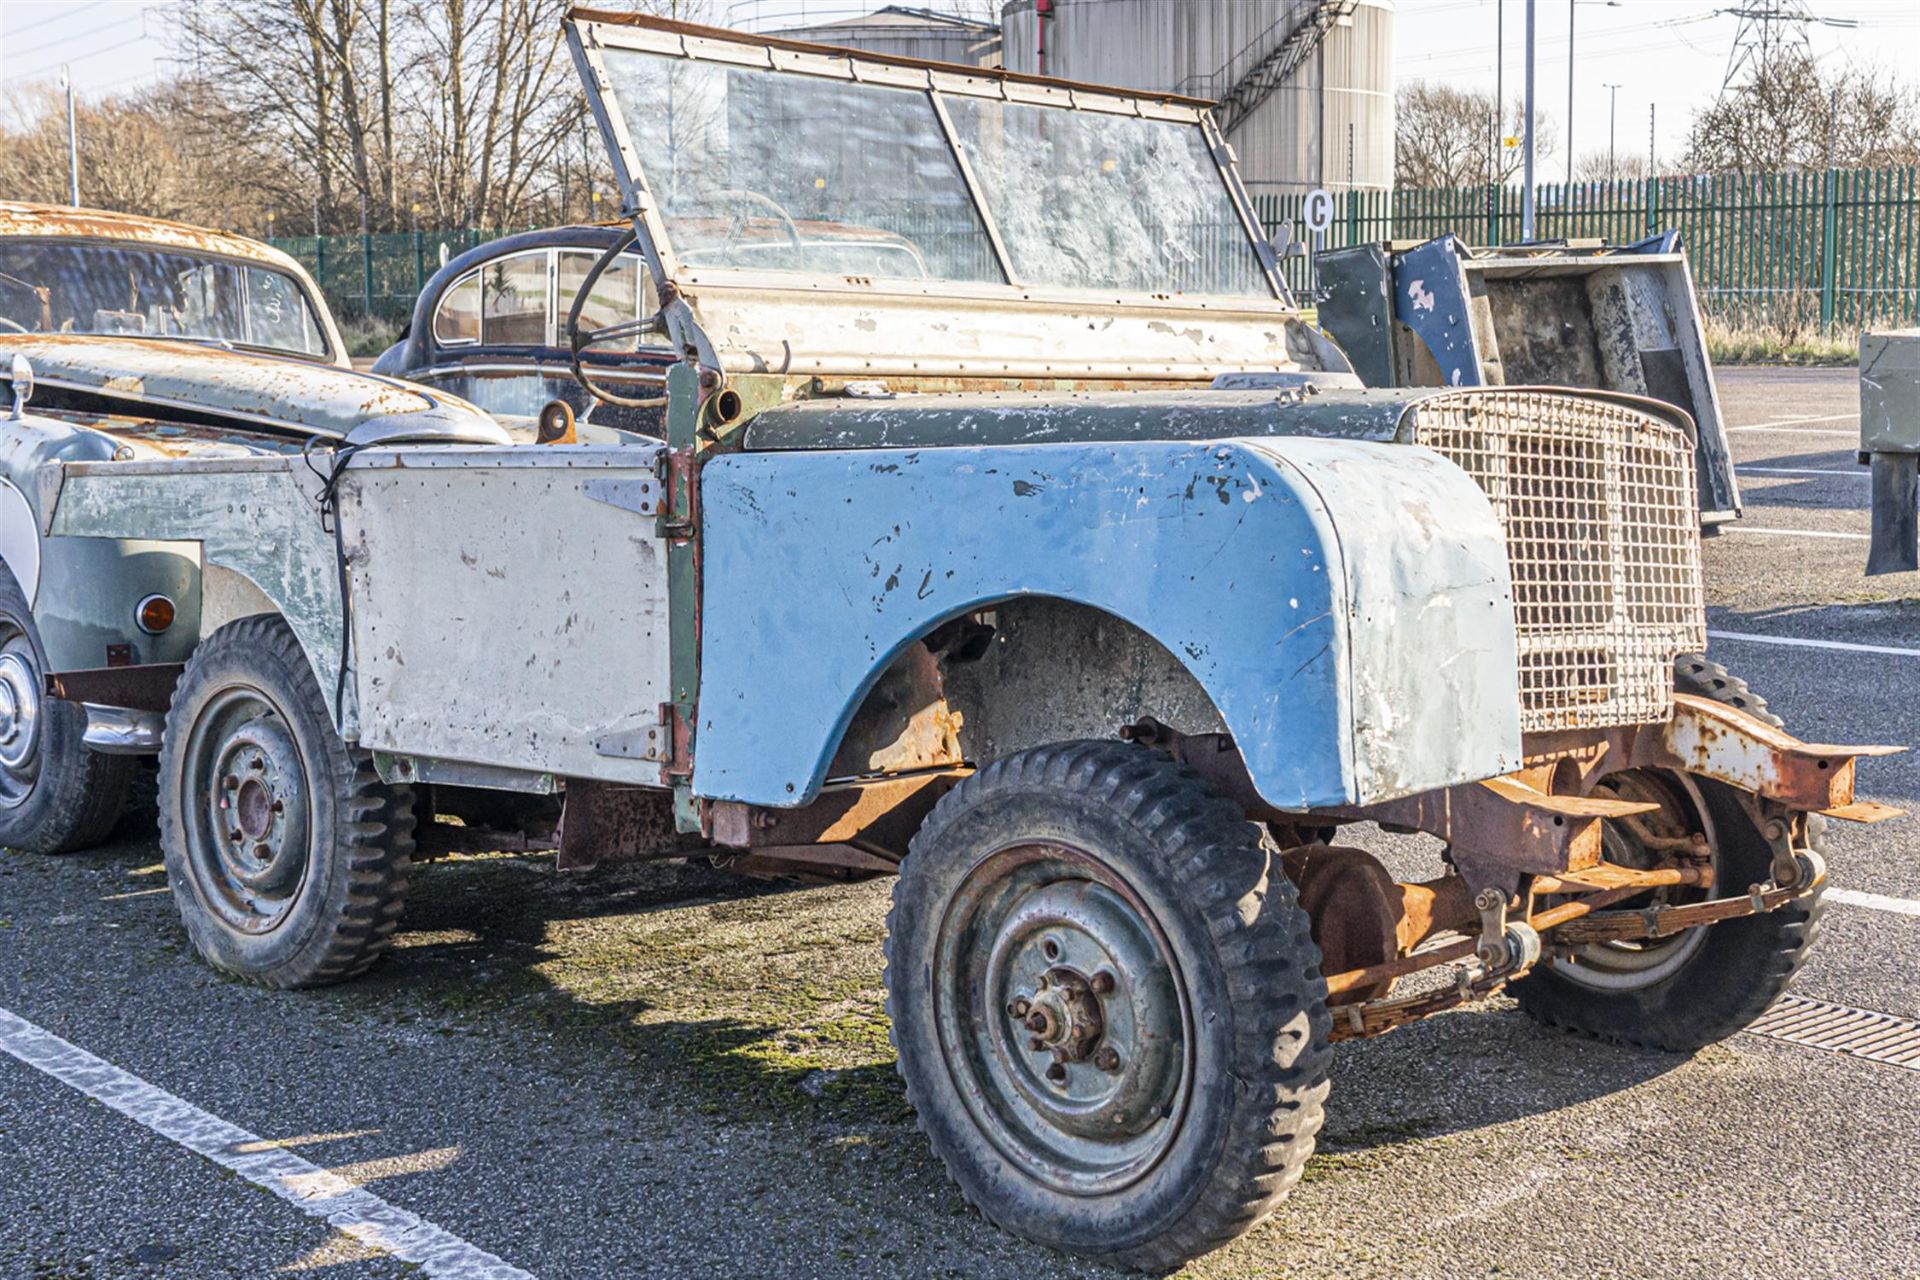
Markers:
point(1009, 673)
point(1339, 603)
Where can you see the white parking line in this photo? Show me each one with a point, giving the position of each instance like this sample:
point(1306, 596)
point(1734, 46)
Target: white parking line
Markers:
point(1789, 421)
point(1850, 473)
point(1875, 901)
point(1788, 429)
point(347, 1208)
point(1797, 642)
point(1794, 533)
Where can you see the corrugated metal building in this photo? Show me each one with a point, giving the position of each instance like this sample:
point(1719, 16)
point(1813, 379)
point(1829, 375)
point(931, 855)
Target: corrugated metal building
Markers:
point(900, 30)
point(1329, 123)
point(1306, 86)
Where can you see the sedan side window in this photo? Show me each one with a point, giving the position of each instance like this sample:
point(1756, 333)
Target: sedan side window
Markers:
point(513, 300)
point(616, 297)
point(458, 318)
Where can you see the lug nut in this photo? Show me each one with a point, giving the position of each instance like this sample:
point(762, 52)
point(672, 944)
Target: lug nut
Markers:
point(1035, 1043)
point(1101, 982)
point(1108, 1059)
point(1018, 1008)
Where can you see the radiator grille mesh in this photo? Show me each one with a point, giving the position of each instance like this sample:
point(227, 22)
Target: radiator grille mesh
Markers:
point(1602, 523)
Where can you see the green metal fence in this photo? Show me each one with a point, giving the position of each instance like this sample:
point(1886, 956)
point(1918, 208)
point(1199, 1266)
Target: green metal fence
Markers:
point(380, 275)
point(1835, 251)
point(1798, 251)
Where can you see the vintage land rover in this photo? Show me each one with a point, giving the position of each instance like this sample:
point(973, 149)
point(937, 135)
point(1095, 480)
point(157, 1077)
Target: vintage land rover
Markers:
point(1072, 577)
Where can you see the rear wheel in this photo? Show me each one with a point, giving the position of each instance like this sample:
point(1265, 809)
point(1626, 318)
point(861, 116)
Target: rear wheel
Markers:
point(56, 794)
point(287, 855)
point(1703, 985)
point(1107, 1005)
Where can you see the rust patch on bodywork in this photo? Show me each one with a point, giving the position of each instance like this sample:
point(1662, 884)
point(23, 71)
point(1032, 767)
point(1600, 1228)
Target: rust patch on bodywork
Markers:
point(877, 816)
point(605, 822)
point(19, 220)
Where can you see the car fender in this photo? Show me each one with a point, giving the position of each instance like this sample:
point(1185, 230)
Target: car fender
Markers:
point(84, 592)
point(1346, 606)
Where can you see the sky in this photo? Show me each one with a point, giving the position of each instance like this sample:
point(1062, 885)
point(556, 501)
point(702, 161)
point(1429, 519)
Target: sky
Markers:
point(1669, 55)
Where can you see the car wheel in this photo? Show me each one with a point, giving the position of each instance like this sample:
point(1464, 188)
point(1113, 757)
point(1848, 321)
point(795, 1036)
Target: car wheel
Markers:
point(287, 855)
point(1704, 984)
point(56, 794)
point(1107, 1005)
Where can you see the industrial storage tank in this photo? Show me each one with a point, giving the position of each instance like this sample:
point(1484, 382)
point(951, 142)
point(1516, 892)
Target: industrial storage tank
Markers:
point(901, 31)
point(1305, 86)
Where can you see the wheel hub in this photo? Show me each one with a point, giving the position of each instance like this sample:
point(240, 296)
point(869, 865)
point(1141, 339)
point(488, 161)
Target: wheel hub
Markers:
point(1062, 1012)
point(19, 710)
point(259, 799)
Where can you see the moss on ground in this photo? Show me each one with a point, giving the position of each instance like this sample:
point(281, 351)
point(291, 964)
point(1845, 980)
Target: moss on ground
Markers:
point(761, 999)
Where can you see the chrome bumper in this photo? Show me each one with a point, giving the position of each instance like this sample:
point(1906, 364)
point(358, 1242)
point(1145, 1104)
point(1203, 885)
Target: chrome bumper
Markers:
point(116, 731)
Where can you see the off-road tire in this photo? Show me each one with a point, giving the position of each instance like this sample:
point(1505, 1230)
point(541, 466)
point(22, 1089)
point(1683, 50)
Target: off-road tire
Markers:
point(75, 794)
point(1744, 963)
point(1697, 674)
point(359, 846)
point(1242, 948)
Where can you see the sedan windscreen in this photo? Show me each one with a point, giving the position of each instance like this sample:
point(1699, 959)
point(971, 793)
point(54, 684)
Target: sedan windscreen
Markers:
point(52, 286)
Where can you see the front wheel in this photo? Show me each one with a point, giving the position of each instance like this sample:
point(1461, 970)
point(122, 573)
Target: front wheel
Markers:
point(1107, 1005)
point(1699, 986)
point(287, 855)
point(57, 795)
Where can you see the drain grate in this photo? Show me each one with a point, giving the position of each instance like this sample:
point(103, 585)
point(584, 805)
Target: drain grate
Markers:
point(1879, 1037)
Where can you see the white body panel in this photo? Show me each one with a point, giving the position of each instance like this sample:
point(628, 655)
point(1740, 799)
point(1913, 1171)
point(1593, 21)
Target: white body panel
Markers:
point(502, 614)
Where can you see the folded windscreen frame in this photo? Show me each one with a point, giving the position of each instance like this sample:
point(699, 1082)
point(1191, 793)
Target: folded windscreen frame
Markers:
point(749, 162)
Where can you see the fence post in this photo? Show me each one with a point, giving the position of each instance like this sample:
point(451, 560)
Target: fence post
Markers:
point(366, 274)
point(320, 263)
point(1353, 215)
point(419, 265)
point(1493, 213)
point(1829, 245)
point(1653, 205)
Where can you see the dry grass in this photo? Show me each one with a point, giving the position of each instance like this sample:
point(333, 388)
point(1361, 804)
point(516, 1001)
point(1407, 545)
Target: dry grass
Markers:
point(1770, 344)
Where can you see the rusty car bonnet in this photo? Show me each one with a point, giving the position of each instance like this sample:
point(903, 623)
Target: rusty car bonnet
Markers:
point(246, 387)
point(1068, 232)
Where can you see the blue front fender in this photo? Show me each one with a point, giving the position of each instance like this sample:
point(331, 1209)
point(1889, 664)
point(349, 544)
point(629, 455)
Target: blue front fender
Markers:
point(1345, 605)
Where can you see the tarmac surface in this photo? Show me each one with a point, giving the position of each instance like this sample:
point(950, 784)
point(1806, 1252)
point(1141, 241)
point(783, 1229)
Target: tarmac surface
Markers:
point(663, 1071)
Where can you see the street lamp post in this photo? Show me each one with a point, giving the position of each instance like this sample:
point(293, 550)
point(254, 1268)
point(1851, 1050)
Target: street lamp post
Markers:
point(73, 139)
point(1526, 152)
point(1613, 111)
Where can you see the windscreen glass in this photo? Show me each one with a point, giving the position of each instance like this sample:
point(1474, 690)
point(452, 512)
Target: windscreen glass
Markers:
point(63, 287)
point(1089, 200)
point(784, 171)
point(776, 172)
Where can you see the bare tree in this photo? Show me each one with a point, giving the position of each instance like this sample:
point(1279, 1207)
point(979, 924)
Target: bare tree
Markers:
point(1794, 115)
point(1443, 136)
point(1603, 166)
point(136, 153)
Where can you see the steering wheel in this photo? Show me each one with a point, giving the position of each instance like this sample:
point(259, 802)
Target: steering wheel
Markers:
point(738, 194)
point(578, 342)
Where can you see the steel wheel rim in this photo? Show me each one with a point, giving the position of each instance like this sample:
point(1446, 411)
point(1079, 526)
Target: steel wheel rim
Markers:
point(245, 800)
point(21, 722)
point(1111, 1022)
point(1636, 965)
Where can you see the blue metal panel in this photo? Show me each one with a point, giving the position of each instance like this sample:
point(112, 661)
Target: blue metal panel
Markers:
point(821, 567)
point(1430, 298)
